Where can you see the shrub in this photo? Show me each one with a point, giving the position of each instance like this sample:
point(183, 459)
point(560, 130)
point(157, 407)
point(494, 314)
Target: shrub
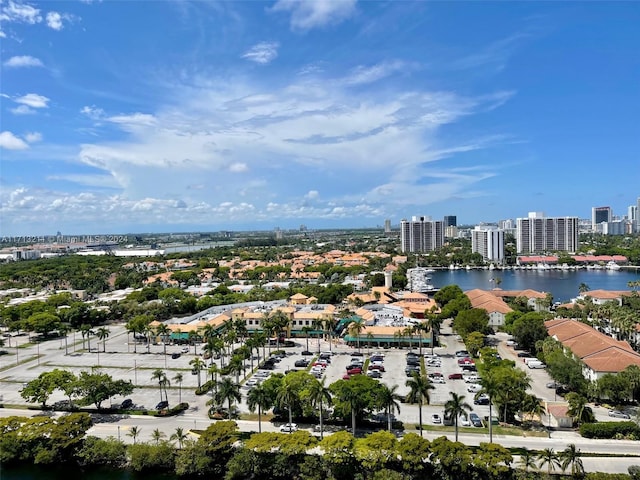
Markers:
point(610, 430)
point(634, 471)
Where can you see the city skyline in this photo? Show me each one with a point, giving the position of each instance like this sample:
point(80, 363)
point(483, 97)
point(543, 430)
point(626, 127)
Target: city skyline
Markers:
point(190, 116)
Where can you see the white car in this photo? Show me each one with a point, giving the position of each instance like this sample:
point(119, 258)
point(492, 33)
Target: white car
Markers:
point(262, 373)
point(465, 422)
point(289, 428)
point(435, 418)
point(474, 388)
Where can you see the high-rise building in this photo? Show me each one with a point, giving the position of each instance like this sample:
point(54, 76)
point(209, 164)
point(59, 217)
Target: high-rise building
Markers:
point(450, 221)
point(538, 233)
point(599, 215)
point(638, 215)
point(632, 216)
point(387, 226)
point(421, 234)
point(488, 241)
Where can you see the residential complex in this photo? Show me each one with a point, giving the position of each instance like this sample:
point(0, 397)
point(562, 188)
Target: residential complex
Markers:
point(421, 234)
point(538, 233)
point(489, 242)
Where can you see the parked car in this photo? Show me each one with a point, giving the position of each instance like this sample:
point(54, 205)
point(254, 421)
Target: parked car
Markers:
point(357, 354)
point(354, 371)
point(289, 428)
point(126, 404)
point(175, 355)
point(481, 400)
point(475, 419)
point(374, 374)
point(536, 365)
point(618, 414)
point(474, 388)
point(465, 422)
point(455, 376)
point(435, 418)
point(523, 354)
point(302, 363)
point(376, 367)
point(307, 353)
point(553, 385)
point(469, 368)
point(462, 353)
point(162, 405)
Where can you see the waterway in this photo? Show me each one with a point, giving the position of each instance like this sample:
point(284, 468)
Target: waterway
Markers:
point(563, 284)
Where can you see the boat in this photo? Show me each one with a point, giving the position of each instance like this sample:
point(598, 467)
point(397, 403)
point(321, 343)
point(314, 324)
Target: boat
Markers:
point(612, 266)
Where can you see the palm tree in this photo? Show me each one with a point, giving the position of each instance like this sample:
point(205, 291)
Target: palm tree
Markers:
point(370, 338)
point(86, 331)
point(193, 336)
point(419, 393)
point(408, 332)
point(178, 378)
point(103, 333)
point(570, 456)
point(433, 323)
point(388, 400)
point(157, 435)
point(163, 332)
point(549, 458)
point(180, 436)
point(306, 329)
point(319, 393)
point(578, 408)
point(491, 386)
point(287, 396)
point(213, 370)
point(456, 407)
point(236, 366)
point(162, 380)
point(355, 329)
point(64, 329)
point(228, 391)
point(133, 433)
point(197, 365)
point(527, 460)
point(532, 405)
point(259, 397)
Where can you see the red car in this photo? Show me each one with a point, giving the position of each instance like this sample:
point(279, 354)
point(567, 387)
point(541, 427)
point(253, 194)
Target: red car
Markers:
point(455, 376)
point(466, 361)
point(354, 371)
point(346, 377)
point(380, 368)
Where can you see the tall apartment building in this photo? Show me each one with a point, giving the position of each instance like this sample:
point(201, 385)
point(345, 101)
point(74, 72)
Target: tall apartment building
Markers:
point(600, 215)
point(638, 215)
point(421, 234)
point(387, 226)
point(488, 241)
point(450, 221)
point(538, 233)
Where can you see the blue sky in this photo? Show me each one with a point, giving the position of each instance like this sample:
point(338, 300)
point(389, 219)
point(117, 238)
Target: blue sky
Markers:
point(176, 116)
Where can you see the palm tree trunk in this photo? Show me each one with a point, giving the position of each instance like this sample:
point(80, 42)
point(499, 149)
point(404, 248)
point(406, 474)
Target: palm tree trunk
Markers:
point(290, 417)
point(433, 336)
point(321, 428)
point(420, 418)
point(353, 421)
point(389, 418)
point(259, 419)
point(456, 428)
point(490, 420)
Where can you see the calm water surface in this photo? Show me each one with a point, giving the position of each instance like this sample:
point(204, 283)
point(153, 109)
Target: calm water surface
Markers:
point(563, 284)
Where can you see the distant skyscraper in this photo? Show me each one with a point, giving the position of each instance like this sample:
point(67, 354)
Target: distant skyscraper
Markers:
point(488, 241)
point(387, 226)
point(421, 235)
point(599, 215)
point(537, 234)
point(638, 215)
point(450, 221)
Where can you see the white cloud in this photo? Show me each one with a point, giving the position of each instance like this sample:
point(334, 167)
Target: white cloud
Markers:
point(306, 15)
point(23, 110)
point(33, 137)
point(23, 61)
point(9, 141)
point(33, 100)
point(238, 167)
point(262, 53)
point(54, 20)
point(20, 12)
point(312, 194)
point(362, 75)
point(92, 112)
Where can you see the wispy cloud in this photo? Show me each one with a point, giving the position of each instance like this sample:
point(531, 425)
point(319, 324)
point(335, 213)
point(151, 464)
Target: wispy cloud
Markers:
point(262, 53)
point(20, 12)
point(11, 142)
point(495, 55)
point(23, 61)
point(306, 15)
point(361, 75)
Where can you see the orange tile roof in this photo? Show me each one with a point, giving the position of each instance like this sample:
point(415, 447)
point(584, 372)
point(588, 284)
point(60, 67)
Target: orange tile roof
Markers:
point(607, 294)
point(529, 293)
point(487, 301)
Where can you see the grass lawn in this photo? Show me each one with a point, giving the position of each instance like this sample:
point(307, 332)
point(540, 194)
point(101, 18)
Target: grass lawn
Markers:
point(497, 430)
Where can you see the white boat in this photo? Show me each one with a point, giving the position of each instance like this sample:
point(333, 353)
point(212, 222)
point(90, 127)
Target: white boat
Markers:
point(492, 267)
point(612, 266)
